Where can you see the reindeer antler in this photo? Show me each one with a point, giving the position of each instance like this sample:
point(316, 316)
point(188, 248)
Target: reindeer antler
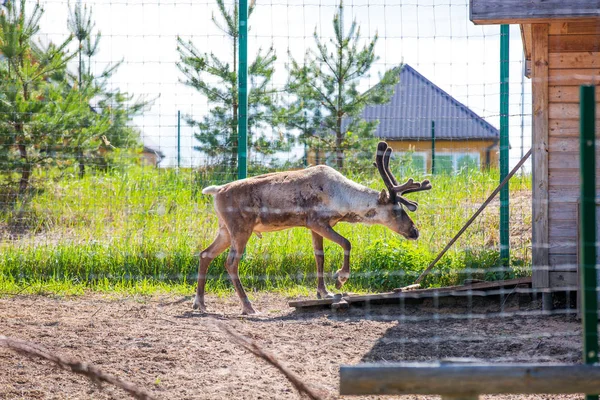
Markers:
point(382, 161)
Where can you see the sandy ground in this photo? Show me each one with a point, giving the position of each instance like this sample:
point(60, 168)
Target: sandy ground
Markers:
point(159, 344)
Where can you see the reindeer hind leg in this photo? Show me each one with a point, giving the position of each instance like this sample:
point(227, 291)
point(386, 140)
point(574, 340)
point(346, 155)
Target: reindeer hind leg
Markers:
point(238, 244)
point(219, 245)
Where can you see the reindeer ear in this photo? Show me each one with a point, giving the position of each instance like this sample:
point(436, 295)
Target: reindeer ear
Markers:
point(384, 197)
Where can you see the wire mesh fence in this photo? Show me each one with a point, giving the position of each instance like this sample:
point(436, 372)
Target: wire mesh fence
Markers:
point(115, 115)
point(158, 84)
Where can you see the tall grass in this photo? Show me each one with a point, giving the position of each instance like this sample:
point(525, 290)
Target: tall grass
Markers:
point(143, 228)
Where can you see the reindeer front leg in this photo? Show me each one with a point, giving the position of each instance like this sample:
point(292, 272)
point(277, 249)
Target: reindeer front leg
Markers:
point(317, 240)
point(327, 232)
point(219, 245)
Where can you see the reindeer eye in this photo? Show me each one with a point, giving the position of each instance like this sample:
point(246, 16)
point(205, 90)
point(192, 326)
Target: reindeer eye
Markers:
point(398, 210)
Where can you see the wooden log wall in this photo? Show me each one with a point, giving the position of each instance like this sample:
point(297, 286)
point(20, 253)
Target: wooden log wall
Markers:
point(573, 60)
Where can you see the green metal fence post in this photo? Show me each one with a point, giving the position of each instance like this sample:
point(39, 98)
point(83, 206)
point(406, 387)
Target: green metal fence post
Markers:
point(178, 139)
point(243, 90)
point(504, 91)
point(432, 147)
point(587, 226)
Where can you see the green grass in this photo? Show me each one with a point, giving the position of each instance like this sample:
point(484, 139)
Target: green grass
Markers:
point(139, 230)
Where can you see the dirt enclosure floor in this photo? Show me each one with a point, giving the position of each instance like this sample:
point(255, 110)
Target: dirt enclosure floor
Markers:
point(159, 344)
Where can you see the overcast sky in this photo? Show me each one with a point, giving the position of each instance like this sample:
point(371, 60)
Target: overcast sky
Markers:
point(434, 37)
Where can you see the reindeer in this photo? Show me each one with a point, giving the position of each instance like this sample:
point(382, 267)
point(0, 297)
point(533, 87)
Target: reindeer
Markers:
point(316, 198)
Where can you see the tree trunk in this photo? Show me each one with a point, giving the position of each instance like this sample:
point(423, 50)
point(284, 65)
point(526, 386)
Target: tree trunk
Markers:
point(81, 164)
point(25, 171)
point(339, 138)
point(20, 129)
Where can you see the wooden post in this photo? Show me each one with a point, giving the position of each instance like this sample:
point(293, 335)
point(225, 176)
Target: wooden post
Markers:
point(540, 245)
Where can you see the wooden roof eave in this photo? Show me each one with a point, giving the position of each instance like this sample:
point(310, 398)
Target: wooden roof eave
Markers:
point(526, 13)
point(496, 12)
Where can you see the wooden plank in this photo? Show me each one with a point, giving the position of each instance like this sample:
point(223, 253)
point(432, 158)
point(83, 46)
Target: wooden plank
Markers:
point(575, 76)
point(576, 43)
point(564, 111)
point(563, 195)
point(563, 262)
point(563, 160)
point(567, 145)
point(532, 11)
point(569, 160)
point(579, 59)
point(560, 176)
point(466, 379)
point(561, 143)
point(539, 87)
point(562, 211)
point(568, 94)
point(477, 286)
point(414, 294)
point(567, 128)
point(311, 303)
point(579, 27)
point(563, 246)
point(563, 280)
point(569, 180)
point(563, 229)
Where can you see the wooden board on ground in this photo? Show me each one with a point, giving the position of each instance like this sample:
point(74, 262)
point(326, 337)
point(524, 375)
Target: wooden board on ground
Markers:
point(474, 289)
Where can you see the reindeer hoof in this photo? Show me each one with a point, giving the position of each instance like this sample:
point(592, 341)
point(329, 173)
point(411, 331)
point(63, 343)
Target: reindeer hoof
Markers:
point(340, 278)
point(250, 311)
point(324, 295)
point(199, 306)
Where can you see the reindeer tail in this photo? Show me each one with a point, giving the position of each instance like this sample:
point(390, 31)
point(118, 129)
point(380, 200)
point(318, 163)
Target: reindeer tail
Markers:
point(211, 190)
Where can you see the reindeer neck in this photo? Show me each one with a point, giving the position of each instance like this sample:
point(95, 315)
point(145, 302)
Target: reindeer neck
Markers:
point(364, 207)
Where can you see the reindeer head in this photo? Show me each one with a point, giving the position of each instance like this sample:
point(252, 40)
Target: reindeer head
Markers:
point(398, 220)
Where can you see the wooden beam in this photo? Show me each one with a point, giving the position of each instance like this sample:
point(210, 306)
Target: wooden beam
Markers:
point(475, 289)
point(464, 379)
point(540, 277)
point(531, 11)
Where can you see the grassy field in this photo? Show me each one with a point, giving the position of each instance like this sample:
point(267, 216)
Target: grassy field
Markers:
point(140, 230)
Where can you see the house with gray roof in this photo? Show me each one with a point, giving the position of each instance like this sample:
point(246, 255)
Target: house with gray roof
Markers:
point(462, 138)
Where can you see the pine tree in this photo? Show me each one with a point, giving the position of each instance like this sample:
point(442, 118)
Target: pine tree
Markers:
point(31, 117)
point(325, 86)
point(217, 132)
point(107, 113)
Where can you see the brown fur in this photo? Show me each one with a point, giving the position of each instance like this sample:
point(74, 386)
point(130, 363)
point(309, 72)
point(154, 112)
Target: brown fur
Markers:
point(316, 198)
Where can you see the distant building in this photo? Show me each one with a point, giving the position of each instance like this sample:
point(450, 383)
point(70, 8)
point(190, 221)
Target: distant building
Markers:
point(462, 138)
point(151, 156)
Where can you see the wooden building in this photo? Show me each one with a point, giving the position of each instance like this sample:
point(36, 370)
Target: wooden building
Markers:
point(151, 157)
point(562, 48)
